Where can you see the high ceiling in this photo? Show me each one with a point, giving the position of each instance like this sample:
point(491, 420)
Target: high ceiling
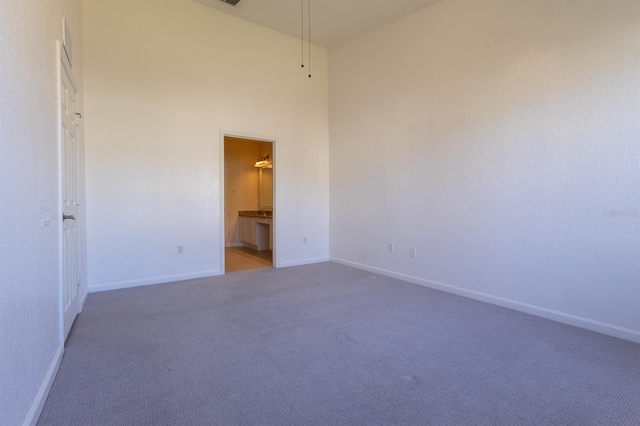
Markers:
point(332, 21)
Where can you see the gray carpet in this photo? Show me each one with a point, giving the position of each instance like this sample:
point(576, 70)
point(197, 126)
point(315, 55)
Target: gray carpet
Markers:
point(329, 345)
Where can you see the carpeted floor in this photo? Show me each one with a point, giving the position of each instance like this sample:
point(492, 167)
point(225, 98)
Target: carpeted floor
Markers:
point(329, 345)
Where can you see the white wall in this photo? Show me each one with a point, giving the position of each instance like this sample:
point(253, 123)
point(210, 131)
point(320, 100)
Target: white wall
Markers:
point(30, 348)
point(501, 139)
point(163, 79)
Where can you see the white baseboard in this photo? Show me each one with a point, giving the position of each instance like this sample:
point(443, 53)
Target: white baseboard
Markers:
point(302, 262)
point(151, 281)
point(234, 245)
point(588, 324)
point(83, 300)
point(45, 387)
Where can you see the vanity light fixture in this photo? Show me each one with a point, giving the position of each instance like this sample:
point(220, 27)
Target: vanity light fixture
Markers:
point(264, 163)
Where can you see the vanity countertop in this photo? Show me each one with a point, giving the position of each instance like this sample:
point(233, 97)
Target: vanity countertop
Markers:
point(255, 213)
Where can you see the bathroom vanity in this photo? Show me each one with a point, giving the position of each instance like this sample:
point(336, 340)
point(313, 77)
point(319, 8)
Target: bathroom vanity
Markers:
point(256, 229)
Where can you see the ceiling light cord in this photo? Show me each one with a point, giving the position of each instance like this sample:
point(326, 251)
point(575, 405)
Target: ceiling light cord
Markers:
point(309, 38)
point(308, 32)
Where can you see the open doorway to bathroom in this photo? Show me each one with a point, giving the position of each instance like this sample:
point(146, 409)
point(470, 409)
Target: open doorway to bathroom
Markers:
point(248, 204)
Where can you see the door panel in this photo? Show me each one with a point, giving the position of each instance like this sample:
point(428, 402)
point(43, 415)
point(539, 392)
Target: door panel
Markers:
point(69, 195)
point(251, 230)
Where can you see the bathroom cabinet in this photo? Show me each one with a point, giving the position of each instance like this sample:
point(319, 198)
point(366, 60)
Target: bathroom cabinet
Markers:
point(256, 232)
point(246, 228)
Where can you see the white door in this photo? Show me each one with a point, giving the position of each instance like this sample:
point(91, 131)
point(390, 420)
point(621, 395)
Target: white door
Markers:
point(69, 192)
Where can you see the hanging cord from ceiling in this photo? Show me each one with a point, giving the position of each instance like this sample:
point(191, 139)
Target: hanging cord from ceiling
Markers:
point(302, 30)
point(308, 32)
point(309, 8)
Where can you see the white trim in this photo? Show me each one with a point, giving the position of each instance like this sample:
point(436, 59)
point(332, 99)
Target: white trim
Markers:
point(45, 387)
point(60, 60)
point(223, 223)
point(83, 300)
point(235, 245)
point(152, 281)
point(576, 321)
point(303, 262)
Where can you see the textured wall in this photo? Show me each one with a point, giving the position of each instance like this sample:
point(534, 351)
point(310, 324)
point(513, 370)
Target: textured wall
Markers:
point(163, 78)
point(501, 140)
point(29, 285)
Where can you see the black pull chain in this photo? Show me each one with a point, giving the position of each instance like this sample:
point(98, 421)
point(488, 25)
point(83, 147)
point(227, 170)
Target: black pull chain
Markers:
point(302, 30)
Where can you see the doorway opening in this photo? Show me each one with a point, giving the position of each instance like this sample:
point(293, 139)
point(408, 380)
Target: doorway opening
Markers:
point(248, 203)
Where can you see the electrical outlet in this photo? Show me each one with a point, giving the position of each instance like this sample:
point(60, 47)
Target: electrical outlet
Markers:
point(180, 250)
point(391, 248)
point(412, 253)
point(304, 240)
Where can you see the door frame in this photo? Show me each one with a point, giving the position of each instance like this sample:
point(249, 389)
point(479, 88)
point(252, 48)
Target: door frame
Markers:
point(223, 219)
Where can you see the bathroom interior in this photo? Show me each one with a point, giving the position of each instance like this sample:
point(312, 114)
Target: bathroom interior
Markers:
point(248, 197)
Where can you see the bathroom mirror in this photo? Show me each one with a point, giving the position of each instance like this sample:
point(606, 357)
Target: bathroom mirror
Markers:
point(266, 189)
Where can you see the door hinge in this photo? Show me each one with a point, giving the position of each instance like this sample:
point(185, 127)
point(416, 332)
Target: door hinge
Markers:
point(78, 279)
